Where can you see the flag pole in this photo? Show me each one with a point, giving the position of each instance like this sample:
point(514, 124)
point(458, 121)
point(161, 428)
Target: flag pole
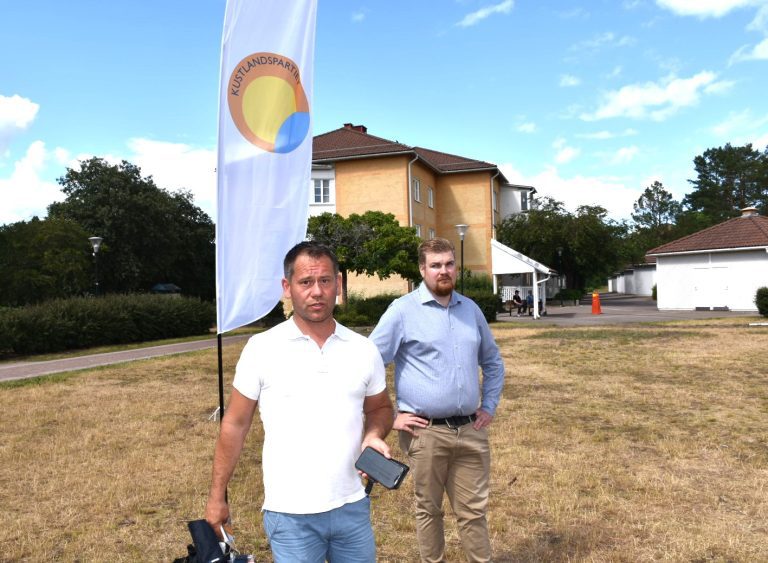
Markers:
point(221, 378)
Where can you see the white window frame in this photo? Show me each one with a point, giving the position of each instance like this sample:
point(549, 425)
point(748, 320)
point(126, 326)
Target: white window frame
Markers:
point(430, 197)
point(416, 190)
point(432, 233)
point(326, 193)
point(418, 230)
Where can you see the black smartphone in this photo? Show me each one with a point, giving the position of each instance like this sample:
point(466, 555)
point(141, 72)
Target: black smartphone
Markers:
point(388, 472)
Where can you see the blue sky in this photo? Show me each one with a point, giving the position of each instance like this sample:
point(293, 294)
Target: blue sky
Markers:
point(589, 102)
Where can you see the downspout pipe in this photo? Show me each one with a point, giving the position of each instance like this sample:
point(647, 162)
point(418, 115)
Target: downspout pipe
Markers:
point(493, 235)
point(410, 192)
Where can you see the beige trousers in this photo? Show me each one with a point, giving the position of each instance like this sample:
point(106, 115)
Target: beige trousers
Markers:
point(457, 462)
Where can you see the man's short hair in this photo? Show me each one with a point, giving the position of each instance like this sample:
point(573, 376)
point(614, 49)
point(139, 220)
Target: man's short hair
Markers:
point(434, 246)
point(312, 249)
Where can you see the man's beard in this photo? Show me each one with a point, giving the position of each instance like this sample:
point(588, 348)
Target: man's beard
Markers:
point(443, 287)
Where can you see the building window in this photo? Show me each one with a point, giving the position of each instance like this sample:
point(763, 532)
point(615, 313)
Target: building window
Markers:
point(495, 201)
point(524, 201)
point(416, 190)
point(431, 233)
point(418, 230)
point(322, 191)
point(431, 198)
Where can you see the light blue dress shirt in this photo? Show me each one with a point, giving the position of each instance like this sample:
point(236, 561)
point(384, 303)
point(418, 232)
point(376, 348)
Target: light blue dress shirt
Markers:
point(437, 351)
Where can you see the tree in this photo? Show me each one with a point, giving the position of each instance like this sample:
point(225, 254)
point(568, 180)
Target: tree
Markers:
point(590, 244)
point(150, 235)
point(729, 179)
point(655, 213)
point(42, 260)
point(373, 243)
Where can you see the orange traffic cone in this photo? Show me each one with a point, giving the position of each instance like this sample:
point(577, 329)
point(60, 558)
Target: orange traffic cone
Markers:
point(596, 310)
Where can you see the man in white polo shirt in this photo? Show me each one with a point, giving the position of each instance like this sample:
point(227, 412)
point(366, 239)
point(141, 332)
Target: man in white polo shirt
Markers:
point(322, 398)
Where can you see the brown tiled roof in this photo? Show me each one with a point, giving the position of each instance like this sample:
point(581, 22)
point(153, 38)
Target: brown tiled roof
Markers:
point(350, 143)
point(445, 162)
point(353, 141)
point(740, 232)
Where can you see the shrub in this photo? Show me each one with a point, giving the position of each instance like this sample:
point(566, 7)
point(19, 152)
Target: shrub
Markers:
point(568, 295)
point(489, 303)
point(363, 311)
point(761, 300)
point(82, 322)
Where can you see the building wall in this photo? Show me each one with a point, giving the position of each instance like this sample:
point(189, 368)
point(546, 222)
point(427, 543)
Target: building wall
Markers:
point(381, 184)
point(712, 279)
point(374, 184)
point(466, 199)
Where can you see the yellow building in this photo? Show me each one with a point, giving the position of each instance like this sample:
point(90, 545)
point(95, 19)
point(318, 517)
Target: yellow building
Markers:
point(354, 172)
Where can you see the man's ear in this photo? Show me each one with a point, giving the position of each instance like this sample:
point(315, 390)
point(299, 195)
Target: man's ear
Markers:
point(286, 289)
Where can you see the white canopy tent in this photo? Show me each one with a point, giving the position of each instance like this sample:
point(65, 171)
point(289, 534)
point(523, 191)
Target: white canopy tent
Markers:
point(508, 261)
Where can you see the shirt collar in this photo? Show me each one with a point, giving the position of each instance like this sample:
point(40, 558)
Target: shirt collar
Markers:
point(294, 333)
point(425, 296)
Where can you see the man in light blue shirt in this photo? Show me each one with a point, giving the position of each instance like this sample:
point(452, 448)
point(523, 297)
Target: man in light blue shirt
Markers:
point(437, 339)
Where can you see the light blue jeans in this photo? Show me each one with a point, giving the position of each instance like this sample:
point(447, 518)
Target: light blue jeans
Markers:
point(341, 535)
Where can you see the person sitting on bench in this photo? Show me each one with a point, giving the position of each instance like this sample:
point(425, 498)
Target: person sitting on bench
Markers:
point(517, 301)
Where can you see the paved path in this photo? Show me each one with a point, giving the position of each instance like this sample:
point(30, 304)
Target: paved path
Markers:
point(21, 370)
point(617, 309)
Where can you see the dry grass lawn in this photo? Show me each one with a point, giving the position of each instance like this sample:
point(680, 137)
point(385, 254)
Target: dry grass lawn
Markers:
point(614, 443)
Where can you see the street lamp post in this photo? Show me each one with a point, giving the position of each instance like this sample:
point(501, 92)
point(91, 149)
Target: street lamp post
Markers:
point(462, 230)
point(95, 243)
point(560, 273)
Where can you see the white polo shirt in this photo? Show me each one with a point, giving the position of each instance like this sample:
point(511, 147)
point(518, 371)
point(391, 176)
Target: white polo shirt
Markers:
point(311, 405)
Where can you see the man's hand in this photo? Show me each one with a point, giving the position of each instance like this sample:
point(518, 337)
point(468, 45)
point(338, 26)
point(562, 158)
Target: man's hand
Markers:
point(483, 419)
point(409, 422)
point(377, 444)
point(216, 514)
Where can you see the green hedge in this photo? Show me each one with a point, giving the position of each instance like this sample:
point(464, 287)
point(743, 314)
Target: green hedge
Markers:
point(83, 322)
point(761, 300)
point(363, 311)
point(489, 303)
point(568, 295)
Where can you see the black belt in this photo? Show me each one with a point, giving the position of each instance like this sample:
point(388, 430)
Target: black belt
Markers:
point(453, 421)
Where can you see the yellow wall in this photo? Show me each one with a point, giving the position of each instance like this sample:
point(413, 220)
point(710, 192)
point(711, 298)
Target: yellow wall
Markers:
point(381, 184)
point(466, 198)
point(375, 184)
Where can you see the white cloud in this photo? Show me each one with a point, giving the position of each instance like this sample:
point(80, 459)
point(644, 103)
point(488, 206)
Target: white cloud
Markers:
point(476, 17)
point(568, 80)
point(175, 166)
point(603, 135)
point(743, 127)
point(16, 113)
point(574, 191)
point(656, 101)
point(624, 155)
point(703, 8)
point(565, 153)
point(527, 127)
point(358, 16)
point(606, 39)
point(758, 53)
point(25, 193)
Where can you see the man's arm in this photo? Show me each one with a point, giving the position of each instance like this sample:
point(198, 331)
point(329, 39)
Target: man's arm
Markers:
point(234, 428)
point(378, 422)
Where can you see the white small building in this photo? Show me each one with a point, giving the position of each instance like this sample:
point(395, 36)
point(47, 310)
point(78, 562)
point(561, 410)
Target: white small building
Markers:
point(638, 279)
point(718, 268)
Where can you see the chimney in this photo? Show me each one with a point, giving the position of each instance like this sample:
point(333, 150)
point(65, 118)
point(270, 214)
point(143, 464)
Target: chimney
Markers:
point(749, 212)
point(358, 128)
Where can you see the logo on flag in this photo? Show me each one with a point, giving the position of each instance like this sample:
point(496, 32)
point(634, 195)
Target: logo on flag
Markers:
point(267, 102)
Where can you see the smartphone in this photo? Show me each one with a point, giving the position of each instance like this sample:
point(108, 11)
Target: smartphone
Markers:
point(388, 472)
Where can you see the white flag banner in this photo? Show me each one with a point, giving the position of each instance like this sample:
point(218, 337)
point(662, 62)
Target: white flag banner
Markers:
point(265, 151)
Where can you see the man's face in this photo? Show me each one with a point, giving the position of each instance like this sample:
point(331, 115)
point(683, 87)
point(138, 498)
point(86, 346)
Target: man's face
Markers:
point(439, 273)
point(313, 288)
